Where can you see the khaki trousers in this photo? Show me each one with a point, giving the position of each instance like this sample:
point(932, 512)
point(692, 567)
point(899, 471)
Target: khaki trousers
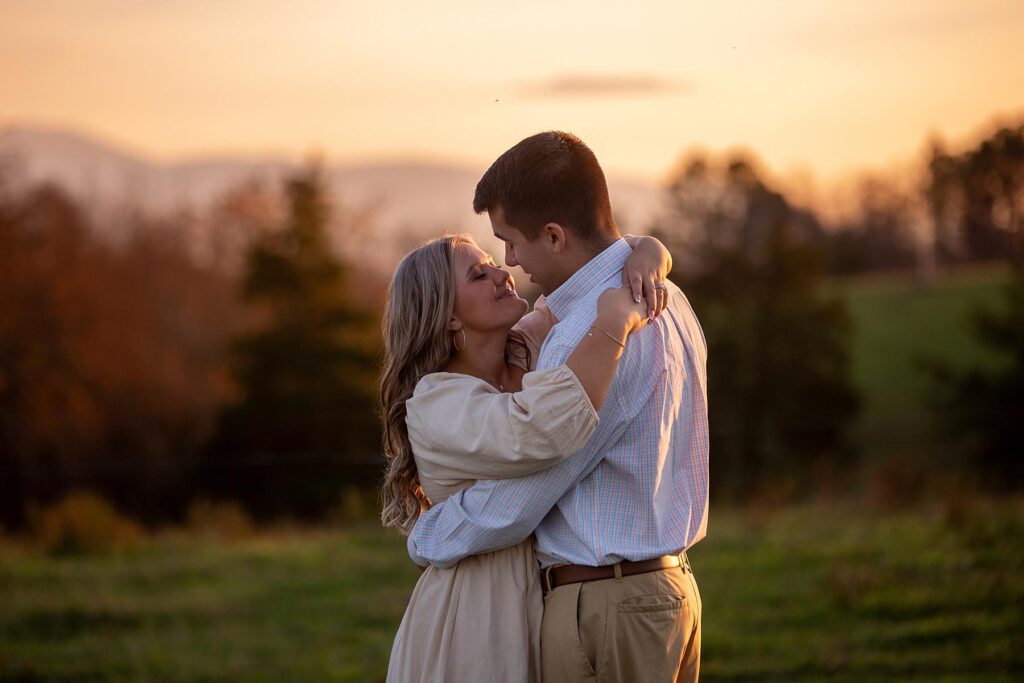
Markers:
point(635, 629)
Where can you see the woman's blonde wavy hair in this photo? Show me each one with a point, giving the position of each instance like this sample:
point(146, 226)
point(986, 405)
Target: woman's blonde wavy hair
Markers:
point(417, 342)
point(420, 301)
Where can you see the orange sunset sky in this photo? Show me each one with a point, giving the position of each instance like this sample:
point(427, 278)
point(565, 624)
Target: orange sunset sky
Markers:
point(816, 87)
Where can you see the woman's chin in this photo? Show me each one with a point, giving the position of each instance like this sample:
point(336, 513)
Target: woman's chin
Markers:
point(511, 311)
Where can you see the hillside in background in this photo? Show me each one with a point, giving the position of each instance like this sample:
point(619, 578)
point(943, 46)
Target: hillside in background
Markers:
point(897, 325)
point(406, 202)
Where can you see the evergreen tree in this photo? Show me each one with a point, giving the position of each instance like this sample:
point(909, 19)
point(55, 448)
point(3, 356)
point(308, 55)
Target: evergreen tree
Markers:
point(987, 403)
point(305, 421)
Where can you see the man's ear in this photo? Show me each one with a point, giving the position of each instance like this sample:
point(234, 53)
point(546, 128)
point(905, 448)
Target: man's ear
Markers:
point(555, 236)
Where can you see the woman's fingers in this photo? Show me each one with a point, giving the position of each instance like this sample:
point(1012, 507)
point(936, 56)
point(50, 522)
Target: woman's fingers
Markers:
point(649, 290)
point(660, 296)
point(651, 296)
point(636, 286)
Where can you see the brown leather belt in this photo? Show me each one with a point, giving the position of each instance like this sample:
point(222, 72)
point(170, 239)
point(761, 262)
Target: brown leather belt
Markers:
point(555, 576)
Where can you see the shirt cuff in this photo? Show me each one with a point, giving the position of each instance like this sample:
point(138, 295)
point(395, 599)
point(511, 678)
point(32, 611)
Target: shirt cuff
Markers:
point(410, 546)
point(578, 386)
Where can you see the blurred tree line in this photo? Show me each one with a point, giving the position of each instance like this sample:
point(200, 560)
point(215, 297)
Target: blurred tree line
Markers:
point(967, 210)
point(156, 373)
point(976, 199)
point(151, 376)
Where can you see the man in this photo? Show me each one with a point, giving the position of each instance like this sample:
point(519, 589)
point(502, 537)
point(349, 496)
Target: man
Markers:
point(613, 520)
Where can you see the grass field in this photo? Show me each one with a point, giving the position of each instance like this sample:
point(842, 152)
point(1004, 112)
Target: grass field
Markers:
point(897, 323)
point(807, 594)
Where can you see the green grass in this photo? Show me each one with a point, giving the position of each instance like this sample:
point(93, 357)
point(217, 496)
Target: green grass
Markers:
point(307, 607)
point(818, 594)
point(809, 594)
point(897, 323)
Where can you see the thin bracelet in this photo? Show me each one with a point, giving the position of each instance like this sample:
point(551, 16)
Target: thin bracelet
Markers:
point(607, 334)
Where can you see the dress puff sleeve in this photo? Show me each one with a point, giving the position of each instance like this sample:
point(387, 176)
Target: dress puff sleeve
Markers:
point(533, 328)
point(461, 427)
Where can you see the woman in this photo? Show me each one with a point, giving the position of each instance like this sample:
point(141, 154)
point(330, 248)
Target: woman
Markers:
point(459, 405)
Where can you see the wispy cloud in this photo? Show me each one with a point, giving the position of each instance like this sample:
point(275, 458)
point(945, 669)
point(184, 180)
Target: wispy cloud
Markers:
point(604, 85)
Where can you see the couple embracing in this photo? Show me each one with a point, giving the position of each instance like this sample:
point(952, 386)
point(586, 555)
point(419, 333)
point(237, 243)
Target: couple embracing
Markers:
point(551, 467)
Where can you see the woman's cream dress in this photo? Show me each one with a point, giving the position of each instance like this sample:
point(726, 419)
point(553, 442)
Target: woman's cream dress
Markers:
point(480, 620)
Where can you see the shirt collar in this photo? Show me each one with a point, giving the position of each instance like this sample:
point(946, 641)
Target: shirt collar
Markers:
point(596, 271)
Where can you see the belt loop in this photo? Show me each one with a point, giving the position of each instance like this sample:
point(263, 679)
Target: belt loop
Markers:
point(618, 572)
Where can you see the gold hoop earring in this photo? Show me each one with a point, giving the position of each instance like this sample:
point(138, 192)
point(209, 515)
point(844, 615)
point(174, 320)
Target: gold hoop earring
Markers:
point(455, 339)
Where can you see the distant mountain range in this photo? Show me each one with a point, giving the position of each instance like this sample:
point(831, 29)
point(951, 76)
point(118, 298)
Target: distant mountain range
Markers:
point(409, 202)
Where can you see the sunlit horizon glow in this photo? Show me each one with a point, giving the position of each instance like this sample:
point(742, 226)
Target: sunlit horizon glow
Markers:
point(822, 90)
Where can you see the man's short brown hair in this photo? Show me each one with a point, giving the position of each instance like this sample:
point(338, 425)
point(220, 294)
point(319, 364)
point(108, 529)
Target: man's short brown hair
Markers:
point(550, 177)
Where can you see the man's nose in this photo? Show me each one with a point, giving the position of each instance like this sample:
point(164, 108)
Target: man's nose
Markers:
point(510, 258)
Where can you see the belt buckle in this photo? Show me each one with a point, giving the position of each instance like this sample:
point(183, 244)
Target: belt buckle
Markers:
point(546, 579)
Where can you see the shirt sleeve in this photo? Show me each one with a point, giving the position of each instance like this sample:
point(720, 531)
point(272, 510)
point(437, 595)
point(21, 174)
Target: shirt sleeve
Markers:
point(461, 428)
point(496, 514)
